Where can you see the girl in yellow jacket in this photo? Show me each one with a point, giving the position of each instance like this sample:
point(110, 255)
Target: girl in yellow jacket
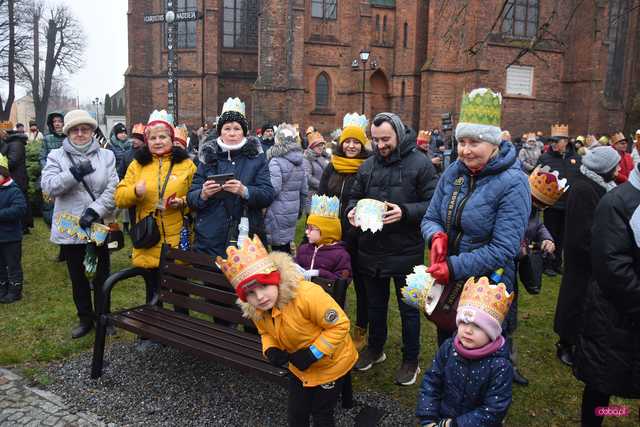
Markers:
point(300, 325)
point(143, 182)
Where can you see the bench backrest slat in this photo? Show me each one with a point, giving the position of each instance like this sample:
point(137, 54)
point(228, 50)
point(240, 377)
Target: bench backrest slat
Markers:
point(231, 314)
point(189, 257)
point(194, 272)
point(212, 294)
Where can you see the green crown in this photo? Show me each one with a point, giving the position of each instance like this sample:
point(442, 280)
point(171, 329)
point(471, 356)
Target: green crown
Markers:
point(482, 107)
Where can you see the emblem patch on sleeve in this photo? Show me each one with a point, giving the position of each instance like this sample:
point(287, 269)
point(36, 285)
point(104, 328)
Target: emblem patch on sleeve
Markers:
point(331, 316)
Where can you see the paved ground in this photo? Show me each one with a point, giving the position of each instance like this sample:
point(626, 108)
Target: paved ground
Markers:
point(24, 405)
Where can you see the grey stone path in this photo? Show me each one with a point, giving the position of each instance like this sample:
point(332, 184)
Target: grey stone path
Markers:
point(24, 405)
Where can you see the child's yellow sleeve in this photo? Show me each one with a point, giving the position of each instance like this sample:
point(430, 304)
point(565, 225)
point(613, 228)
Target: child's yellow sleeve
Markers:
point(325, 312)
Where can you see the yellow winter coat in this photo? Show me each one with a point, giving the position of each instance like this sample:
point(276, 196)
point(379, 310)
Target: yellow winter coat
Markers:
point(305, 314)
point(170, 220)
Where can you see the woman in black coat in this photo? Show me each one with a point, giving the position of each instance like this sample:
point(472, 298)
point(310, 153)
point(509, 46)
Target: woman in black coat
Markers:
point(337, 179)
point(596, 176)
point(14, 148)
point(607, 357)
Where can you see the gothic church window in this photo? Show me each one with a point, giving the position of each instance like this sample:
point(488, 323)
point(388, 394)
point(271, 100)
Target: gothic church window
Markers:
point(520, 18)
point(617, 37)
point(185, 35)
point(240, 24)
point(322, 91)
point(324, 9)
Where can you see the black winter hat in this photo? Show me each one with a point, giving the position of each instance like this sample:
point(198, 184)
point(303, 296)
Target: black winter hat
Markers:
point(232, 116)
point(119, 128)
point(267, 126)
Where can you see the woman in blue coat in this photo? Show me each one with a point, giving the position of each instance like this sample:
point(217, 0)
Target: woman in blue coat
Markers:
point(220, 206)
point(480, 209)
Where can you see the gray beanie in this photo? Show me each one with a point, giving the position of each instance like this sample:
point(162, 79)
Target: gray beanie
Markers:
point(601, 160)
point(395, 122)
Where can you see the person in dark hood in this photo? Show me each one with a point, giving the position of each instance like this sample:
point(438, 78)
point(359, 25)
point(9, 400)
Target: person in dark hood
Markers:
point(53, 140)
point(14, 148)
point(404, 179)
point(119, 143)
point(266, 138)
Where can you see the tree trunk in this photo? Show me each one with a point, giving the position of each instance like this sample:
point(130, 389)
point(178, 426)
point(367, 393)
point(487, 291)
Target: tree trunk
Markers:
point(36, 70)
point(5, 110)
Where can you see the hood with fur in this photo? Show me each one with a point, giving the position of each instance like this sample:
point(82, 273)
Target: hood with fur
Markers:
point(289, 279)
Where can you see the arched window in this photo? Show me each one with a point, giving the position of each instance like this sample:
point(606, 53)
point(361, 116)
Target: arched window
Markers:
point(322, 91)
point(406, 35)
point(384, 28)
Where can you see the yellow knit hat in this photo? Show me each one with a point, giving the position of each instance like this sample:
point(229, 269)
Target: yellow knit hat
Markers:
point(354, 132)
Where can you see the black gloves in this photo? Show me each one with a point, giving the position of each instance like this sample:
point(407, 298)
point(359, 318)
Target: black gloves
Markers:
point(81, 169)
point(277, 357)
point(302, 359)
point(89, 216)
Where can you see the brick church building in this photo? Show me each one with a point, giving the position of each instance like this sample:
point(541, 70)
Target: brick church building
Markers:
point(573, 61)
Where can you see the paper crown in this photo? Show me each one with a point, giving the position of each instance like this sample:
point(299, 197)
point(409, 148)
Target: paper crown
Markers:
point(325, 206)
point(246, 262)
point(138, 128)
point(286, 134)
point(369, 214)
point(160, 116)
point(355, 119)
point(181, 134)
point(481, 106)
point(233, 104)
point(6, 125)
point(617, 137)
point(4, 162)
point(416, 292)
point(546, 187)
point(560, 131)
point(424, 135)
point(493, 300)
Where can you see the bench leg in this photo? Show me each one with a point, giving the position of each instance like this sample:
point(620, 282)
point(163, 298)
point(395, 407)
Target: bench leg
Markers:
point(98, 347)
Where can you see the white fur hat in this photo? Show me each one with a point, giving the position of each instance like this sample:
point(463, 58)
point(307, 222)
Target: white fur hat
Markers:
point(78, 117)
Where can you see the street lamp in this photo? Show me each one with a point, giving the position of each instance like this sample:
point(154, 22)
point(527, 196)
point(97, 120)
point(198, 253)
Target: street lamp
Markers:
point(355, 65)
point(170, 18)
point(97, 103)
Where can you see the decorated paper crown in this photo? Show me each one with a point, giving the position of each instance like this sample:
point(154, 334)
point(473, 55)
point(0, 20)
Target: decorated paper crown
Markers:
point(369, 214)
point(355, 119)
point(424, 135)
point(245, 263)
point(546, 187)
point(160, 116)
point(181, 135)
point(286, 134)
point(560, 131)
point(493, 300)
point(335, 135)
point(617, 137)
point(138, 129)
point(481, 106)
point(6, 125)
point(416, 292)
point(233, 104)
point(325, 214)
point(325, 206)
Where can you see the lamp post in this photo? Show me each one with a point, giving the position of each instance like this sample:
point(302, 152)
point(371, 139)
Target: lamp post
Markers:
point(170, 18)
point(97, 103)
point(355, 65)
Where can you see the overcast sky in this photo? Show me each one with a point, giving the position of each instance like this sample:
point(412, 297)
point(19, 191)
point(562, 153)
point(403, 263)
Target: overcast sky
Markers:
point(105, 27)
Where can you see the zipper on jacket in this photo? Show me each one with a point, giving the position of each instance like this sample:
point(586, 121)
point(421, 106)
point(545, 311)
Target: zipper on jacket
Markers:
point(313, 258)
point(458, 220)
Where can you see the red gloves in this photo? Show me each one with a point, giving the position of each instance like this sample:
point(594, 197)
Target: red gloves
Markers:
point(439, 247)
point(440, 272)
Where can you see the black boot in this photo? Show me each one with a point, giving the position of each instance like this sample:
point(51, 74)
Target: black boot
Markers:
point(564, 353)
point(83, 328)
point(13, 294)
point(4, 288)
point(518, 378)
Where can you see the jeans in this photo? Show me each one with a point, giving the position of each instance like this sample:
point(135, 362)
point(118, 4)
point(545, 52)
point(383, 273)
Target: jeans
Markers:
point(378, 299)
point(11, 262)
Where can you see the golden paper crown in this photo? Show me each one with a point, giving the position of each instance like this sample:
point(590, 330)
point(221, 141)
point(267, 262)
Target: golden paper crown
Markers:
point(181, 133)
point(617, 137)
point(493, 300)
point(7, 125)
point(246, 262)
point(559, 130)
point(546, 187)
point(424, 135)
point(138, 128)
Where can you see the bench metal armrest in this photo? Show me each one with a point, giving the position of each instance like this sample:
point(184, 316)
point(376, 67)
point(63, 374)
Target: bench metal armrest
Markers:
point(117, 277)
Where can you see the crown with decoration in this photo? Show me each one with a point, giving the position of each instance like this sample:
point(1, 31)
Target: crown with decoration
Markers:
point(481, 106)
point(560, 131)
point(493, 300)
point(251, 259)
point(286, 134)
point(138, 128)
point(546, 187)
point(182, 134)
point(416, 291)
point(617, 137)
point(160, 116)
point(6, 125)
point(325, 206)
point(355, 119)
point(233, 104)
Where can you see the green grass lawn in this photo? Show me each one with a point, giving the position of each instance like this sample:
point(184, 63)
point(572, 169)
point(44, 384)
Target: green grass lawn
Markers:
point(37, 329)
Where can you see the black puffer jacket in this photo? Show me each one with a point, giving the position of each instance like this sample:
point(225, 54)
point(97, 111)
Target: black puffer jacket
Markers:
point(567, 165)
point(406, 178)
point(14, 147)
point(608, 349)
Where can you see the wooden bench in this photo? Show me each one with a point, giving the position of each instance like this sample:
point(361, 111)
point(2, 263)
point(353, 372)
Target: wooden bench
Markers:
point(190, 280)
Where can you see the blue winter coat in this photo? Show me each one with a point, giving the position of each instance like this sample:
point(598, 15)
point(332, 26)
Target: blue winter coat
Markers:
point(13, 207)
point(496, 205)
point(215, 215)
point(290, 184)
point(476, 393)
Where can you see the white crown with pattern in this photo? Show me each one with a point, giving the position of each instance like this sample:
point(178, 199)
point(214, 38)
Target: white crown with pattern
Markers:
point(162, 116)
point(233, 104)
point(355, 119)
point(325, 206)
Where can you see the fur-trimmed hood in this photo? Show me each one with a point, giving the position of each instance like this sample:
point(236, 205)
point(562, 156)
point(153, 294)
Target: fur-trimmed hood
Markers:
point(289, 279)
point(281, 150)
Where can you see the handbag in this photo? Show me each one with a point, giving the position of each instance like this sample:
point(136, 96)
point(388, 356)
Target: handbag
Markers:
point(145, 233)
point(444, 315)
point(530, 268)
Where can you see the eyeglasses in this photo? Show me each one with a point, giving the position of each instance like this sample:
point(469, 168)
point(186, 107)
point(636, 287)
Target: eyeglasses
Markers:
point(81, 129)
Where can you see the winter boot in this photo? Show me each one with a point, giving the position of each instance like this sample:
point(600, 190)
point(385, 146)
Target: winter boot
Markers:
point(4, 288)
point(359, 337)
point(13, 294)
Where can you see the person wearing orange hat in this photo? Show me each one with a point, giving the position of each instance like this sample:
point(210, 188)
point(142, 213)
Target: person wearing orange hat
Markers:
point(619, 142)
point(315, 160)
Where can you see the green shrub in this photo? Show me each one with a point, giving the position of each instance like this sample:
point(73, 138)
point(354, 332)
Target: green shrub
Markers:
point(33, 172)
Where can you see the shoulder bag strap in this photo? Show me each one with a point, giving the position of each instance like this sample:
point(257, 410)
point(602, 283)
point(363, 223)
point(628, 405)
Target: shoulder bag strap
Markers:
point(86, 187)
point(459, 182)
